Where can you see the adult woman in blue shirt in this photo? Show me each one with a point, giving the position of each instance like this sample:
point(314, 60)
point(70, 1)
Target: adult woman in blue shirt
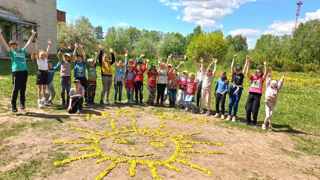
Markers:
point(19, 69)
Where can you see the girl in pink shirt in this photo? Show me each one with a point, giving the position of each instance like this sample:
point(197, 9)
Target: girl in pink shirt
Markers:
point(255, 93)
point(191, 90)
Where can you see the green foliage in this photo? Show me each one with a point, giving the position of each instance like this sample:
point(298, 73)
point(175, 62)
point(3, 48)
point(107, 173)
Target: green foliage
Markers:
point(207, 46)
point(237, 45)
point(81, 31)
point(305, 44)
point(300, 52)
point(172, 43)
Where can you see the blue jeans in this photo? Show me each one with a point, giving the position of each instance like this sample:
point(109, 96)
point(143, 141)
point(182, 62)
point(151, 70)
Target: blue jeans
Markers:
point(172, 96)
point(118, 86)
point(234, 98)
point(65, 89)
point(130, 95)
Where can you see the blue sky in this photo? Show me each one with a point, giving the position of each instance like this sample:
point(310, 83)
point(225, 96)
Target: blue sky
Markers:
point(247, 17)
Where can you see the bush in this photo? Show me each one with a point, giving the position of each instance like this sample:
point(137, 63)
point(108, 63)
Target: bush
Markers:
point(293, 67)
point(311, 68)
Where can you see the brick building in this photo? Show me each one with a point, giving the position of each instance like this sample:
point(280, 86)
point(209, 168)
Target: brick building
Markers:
point(19, 17)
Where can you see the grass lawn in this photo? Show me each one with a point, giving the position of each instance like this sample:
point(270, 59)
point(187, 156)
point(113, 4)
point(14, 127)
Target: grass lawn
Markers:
point(297, 108)
point(28, 151)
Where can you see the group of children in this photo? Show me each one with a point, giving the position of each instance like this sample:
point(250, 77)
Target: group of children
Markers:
point(164, 81)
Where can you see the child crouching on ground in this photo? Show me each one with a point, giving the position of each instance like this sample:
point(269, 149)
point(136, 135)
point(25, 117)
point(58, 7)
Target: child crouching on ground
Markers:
point(221, 93)
point(272, 91)
point(92, 81)
point(190, 92)
point(76, 98)
point(206, 87)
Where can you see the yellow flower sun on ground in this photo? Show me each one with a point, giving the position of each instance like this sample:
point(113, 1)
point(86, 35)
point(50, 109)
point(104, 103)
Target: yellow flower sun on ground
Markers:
point(135, 146)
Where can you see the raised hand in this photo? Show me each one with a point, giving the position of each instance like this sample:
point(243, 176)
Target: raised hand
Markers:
point(76, 45)
point(49, 42)
point(265, 63)
point(111, 50)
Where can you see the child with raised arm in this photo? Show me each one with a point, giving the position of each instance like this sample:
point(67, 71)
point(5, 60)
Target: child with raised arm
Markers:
point(141, 67)
point(182, 87)
point(172, 85)
point(222, 88)
point(19, 69)
point(80, 67)
point(199, 78)
point(42, 75)
point(255, 92)
point(236, 88)
point(207, 86)
point(162, 82)
point(51, 90)
point(65, 74)
point(119, 79)
point(190, 92)
point(272, 90)
point(129, 78)
point(152, 84)
point(92, 80)
point(106, 60)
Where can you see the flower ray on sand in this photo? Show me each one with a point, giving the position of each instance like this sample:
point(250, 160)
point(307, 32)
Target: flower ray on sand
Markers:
point(92, 144)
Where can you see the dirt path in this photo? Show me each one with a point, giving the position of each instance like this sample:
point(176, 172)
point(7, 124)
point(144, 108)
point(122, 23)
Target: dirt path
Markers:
point(247, 154)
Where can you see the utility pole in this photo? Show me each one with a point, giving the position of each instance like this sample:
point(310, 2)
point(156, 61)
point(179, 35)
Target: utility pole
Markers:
point(299, 5)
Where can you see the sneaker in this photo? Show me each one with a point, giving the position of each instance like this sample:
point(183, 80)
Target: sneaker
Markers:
point(217, 115)
point(40, 105)
point(14, 109)
point(229, 118)
point(223, 117)
point(22, 107)
point(186, 109)
point(201, 111)
point(234, 119)
point(264, 127)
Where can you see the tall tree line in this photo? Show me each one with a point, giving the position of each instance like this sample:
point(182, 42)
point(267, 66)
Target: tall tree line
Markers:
point(297, 52)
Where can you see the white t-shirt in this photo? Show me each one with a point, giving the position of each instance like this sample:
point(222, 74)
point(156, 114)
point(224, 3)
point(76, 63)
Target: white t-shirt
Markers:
point(200, 76)
point(207, 81)
point(42, 64)
point(163, 76)
point(272, 93)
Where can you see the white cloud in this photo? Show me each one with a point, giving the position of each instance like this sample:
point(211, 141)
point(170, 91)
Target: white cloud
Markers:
point(287, 27)
point(204, 12)
point(250, 34)
point(280, 28)
point(122, 24)
point(245, 32)
point(277, 28)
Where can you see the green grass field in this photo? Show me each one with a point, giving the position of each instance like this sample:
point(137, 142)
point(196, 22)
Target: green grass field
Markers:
point(297, 115)
point(297, 108)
